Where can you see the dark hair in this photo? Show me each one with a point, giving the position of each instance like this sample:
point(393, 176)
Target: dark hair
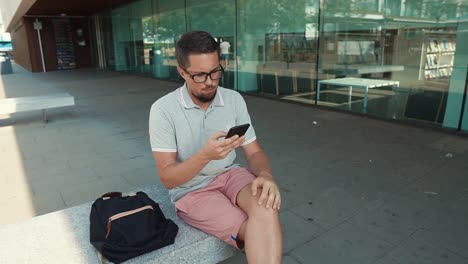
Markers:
point(194, 42)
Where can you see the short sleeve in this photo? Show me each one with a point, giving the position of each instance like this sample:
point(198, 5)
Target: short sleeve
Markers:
point(161, 130)
point(243, 117)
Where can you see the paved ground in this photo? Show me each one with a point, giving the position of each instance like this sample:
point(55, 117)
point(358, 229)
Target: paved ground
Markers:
point(355, 190)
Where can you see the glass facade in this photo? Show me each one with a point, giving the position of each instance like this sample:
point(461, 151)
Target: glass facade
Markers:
point(396, 59)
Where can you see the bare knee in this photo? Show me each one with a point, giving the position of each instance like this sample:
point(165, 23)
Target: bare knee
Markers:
point(263, 214)
point(254, 211)
point(260, 219)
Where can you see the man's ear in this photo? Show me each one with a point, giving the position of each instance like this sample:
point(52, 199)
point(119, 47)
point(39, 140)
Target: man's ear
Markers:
point(182, 73)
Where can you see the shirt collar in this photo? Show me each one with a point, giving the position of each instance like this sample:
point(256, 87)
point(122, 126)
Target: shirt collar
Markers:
point(187, 102)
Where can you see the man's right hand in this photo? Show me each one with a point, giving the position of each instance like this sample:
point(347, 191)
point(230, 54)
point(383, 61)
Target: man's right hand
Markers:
point(217, 148)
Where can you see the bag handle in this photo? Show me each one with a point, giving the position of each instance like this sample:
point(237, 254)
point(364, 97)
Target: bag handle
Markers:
point(111, 195)
point(116, 194)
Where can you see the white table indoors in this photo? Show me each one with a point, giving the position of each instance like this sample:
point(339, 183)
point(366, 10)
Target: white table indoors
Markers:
point(352, 82)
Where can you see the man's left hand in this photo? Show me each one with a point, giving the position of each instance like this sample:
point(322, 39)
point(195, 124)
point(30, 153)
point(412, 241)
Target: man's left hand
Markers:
point(270, 195)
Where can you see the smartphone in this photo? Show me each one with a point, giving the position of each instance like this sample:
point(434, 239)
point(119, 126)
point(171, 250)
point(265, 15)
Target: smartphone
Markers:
point(238, 130)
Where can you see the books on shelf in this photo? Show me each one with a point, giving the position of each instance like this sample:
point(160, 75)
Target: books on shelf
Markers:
point(431, 61)
point(438, 73)
point(443, 45)
point(438, 57)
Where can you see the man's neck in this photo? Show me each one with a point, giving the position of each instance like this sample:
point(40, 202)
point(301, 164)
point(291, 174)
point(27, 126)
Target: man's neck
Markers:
point(202, 105)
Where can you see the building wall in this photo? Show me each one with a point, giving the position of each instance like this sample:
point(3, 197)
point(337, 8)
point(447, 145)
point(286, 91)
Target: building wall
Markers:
point(26, 46)
point(21, 45)
point(27, 49)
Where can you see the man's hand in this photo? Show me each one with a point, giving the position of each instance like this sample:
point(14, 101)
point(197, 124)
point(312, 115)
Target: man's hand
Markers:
point(270, 194)
point(216, 149)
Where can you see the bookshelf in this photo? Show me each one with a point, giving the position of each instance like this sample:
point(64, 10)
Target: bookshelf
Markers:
point(437, 56)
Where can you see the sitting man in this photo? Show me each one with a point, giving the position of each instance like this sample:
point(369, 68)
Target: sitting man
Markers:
point(195, 161)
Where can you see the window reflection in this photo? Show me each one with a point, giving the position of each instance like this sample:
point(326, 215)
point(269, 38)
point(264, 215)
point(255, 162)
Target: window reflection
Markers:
point(285, 49)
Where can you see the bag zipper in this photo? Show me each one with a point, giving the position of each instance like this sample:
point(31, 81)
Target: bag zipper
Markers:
point(124, 214)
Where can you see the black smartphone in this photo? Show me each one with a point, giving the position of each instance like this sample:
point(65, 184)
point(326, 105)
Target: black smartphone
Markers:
point(238, 130)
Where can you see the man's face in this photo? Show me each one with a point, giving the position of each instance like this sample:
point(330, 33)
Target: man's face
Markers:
point(203, 92)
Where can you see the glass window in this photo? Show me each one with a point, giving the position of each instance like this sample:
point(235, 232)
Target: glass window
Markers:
point(170, 23)
point(413, 8)
point(108, 40)
point(367, 5)
point(393, 8)
point(221, 24)
point(355, 47)
point(141, 32)
point(130, 42)
point(389, 58)
point(456, 90)
point(394, 67)
point(277, 47)
point(121, 38)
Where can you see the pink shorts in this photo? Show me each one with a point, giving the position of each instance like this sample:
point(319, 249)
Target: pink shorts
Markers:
point(213, 209)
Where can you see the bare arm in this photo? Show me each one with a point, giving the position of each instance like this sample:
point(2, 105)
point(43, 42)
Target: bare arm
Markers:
point(257, 160)
point(173, 173)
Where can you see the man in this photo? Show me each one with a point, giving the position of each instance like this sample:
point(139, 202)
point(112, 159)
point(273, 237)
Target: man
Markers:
point(225, 51)
point(195, 161)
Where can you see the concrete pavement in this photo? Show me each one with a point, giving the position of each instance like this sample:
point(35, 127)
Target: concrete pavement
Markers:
point(355, 190)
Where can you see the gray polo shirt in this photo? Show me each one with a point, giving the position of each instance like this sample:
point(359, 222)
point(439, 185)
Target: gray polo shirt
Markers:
point(176, 124)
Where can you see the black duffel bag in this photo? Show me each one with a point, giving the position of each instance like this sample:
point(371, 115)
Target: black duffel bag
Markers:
point(123, 227)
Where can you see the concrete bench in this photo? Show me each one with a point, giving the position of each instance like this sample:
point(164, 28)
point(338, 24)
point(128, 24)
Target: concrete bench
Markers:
point(63, 237)
point(30, 103)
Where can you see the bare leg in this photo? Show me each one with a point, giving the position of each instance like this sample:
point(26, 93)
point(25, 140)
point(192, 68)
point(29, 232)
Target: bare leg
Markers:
point(261, 231)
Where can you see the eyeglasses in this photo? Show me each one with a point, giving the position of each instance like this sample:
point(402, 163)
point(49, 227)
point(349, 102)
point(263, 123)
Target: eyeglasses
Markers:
point(215, 74)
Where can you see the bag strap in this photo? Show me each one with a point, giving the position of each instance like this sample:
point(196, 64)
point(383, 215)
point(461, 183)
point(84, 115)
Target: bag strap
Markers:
point(101, 258)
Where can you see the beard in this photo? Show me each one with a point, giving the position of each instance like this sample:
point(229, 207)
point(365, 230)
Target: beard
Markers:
point(206, 98)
